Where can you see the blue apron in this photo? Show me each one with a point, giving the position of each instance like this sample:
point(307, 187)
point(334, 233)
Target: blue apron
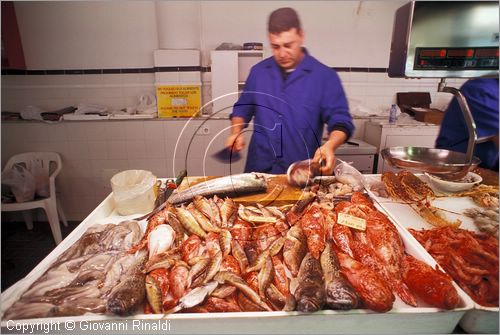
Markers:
point(289, 115)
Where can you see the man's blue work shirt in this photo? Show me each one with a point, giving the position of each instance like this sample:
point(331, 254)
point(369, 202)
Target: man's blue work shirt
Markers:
point(482, 98)
point(289, 115)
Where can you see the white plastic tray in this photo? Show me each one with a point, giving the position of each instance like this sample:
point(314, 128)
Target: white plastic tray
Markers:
point(401, 319)
point(481, 319)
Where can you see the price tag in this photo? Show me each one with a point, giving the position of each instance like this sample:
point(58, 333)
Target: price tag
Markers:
point(351, 221)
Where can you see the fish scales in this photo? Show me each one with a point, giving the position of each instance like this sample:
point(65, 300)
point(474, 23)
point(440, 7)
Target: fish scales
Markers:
point(310, 293)
point(339, 292)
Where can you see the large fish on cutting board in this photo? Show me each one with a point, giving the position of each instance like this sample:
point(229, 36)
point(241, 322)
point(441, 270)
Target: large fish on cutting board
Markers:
point(232, 185)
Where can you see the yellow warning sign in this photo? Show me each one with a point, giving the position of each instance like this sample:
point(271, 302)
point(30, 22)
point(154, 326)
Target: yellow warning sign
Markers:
point(178, 100)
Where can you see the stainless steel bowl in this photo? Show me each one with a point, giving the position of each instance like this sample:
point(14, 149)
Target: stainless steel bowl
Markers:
point(446, 164)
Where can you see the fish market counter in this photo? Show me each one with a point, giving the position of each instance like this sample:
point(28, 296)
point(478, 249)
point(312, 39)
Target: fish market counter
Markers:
point(401, 318)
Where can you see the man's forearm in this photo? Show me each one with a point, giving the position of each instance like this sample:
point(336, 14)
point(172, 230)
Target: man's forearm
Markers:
point(336, 139)
point(237, 124)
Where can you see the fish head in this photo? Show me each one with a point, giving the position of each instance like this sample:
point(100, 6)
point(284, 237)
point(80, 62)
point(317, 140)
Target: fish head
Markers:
point(308, 304)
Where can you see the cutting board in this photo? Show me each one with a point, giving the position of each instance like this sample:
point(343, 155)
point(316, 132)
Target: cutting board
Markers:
point(278, 192)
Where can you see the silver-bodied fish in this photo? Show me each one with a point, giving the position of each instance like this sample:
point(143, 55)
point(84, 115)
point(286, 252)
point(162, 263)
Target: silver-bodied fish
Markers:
point(232, 185)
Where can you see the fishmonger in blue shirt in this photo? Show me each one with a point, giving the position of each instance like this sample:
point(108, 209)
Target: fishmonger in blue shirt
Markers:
point(290, 96)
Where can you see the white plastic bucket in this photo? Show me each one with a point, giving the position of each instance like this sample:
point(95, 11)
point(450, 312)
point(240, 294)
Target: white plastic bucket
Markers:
point(133, 191)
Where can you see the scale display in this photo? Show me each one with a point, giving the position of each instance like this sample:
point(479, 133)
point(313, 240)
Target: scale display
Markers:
point(456, 58)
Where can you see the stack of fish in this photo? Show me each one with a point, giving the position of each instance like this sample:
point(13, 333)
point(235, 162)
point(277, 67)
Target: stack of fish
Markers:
point(220, 258)
point(96, 274)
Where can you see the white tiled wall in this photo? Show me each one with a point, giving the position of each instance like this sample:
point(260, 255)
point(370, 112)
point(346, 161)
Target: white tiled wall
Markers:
point(376, 91)
point(93, 151)
point(53, 92)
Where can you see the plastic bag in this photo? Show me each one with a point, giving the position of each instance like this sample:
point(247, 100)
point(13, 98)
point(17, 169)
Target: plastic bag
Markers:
point(133, 191)
point(348, 174)
point(32, 113)
point(41, 176)
point(147, 104)
point(21, 182)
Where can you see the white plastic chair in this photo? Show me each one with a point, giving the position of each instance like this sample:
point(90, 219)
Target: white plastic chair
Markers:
point(51, 206)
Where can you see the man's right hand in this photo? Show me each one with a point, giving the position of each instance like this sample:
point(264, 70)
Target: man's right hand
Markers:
point(235, 142)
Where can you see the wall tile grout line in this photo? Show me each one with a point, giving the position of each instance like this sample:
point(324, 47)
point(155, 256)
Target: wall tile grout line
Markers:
point(155, 69)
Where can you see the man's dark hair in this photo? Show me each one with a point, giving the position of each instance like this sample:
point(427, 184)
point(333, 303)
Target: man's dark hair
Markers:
point(283, 19)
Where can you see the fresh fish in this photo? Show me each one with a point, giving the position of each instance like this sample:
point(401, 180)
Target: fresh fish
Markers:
point(270, 210)
point(224, 291)
point(154, 294)
point(313, 225)
point(388, 246)
point(310, 294)
point(174, 222)
point(157, 263)
point(373, 290)
point(235, 280)
point(212, 244)
point(196, 259)
point(276, 246)
point(339, 292)
point(81, 279)
point(160, 239)
point(247, 305)
point(202, 219)
point(189, 222)
point(218, 305)
point(251, 251)
point(239, 254)
point(178, 279)
point(23, 310)
point(203, 206)
point(190, 248)
point(255, 215)
point(197, 270)
point(225, 239)
point(194, 297)
point(295, 213)
point(276, 297)
point(216, 218)
point(280, 276)
point(259, 263)
point(84, 305)
point(164, 256)
point(213, 267)
point(431, 285)
point(130, 292)
point(294, 249)
point(233, 185)
point(265, 276)
point(227, 210)
point(290, 303)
